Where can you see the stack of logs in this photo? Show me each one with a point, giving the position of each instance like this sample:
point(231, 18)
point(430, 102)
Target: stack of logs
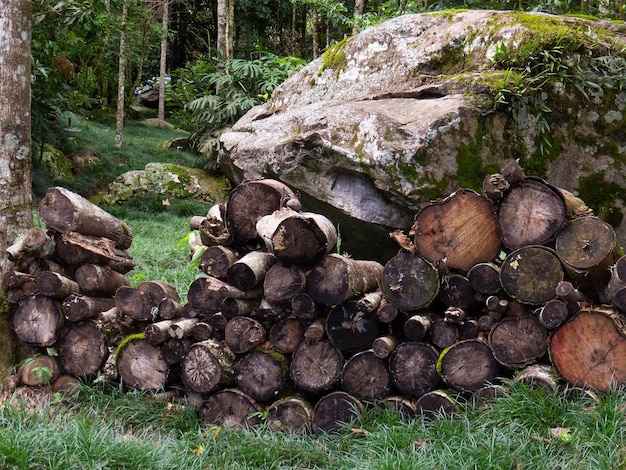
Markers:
point(521, 281)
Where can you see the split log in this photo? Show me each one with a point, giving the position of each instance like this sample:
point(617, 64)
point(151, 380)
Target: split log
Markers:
point(37, 320)
point(334, 411)
point(283, 282)
point(485, 278)
point(231, 409)
point(76, 248)
point(337, 279)
point(216, 260)
point(55, 285)
point(99, 280)
point(300, 238)
point(207, 366)
point(141, 366)
point(287, 335)
point(206, 294)
point(413, 368)
point(291, 414)
point(531, 213)
point(316, 367)
point(366, 376)
point(589, 349)
point(39, 370)
point(82, 348)
point(436, 404)
point(460, 229)
point(65, 211)
point(531, 274)
point(213, 229)
point(79, 307)
point(243, 334)
point(262, 374)
point(34, 242)
point(251, 200)
point(349, 329)
point(518, 342)
point(467, 366)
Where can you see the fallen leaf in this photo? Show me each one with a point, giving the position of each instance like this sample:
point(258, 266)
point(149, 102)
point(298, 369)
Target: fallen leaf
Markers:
point(166, 202)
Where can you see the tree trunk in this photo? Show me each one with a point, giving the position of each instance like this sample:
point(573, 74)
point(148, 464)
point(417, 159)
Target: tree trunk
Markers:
point(207, 366)
point(121, 78)
point(292, 414)
point(334, 411)
point(349, 329)
point(366, 376)
point(316, 367)
point(141, 366)
point(163, 61)
point(518, 342)
point(409, 281)
point(82, 348)
point(99, 280)
point(262, 375)
point(468, 365)
point(413, 368)
point(231, 409)
point(461, 229)
point(37, 320)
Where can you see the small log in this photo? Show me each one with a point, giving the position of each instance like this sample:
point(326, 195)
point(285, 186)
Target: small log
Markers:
point(413, 368)
point(238, 307)
point(619, 299)
point(99, 280)
point(76, 248)
point(67, 385)
point(65, 211)
point(512, 171)
point(370, 302)
point(181, 327)
point(249, 271)
point(207, 366)
point(283, 282)
point(175, 350)
point(366, 376)
point(262, 374)
point(442, 333)
point(400, 405)
point(79, 307)
point(304, 307)
point(485, 278)
point(383, 346)
point(468, 329)
point(460, 229)
point(531, 213)
point(287, 335)
point(386, 312)
point(55, 285)
point(539, 376)
point(436, 404)
point(82, 348)
point(291, 414)
point(416, 326)
point(456, 291)
point(203, 331)
point(468, 365)
point(12, 278)
point(206, 294)
point(316, 367)
point(349, 329)
point(169, 309)
point(336, 279)
point(553, 314)
point(34, 242)
point(518, 342)
point(494, 187)
point(531, 274)
point(39, 370)
point(141, 366)
point(158, 332)
point(213, 230)
point(135, 303)
point(216, 260)
point(334, 411)
point(315, 332)
point(250, 201)
point(37, 320)
point(231, 409)
point(243, 334)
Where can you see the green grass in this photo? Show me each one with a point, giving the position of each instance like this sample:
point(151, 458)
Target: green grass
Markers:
point(104, 428)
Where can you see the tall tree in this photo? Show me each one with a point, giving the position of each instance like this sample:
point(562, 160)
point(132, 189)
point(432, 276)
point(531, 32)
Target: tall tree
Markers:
point(226, 27)
point(121, 78)
point(163, 62)
point(15, 143)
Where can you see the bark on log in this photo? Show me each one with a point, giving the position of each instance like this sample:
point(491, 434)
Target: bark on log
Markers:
point(436, 404)
point(207, 366)
point(158, 332)
point(216, 260)
point(366, 376)
point(206, 294)
point(75, 249)
point(409, 281)
point(334, 411)
point(34, 242)
point(80, 307)
point(231, 409)
point(461, 229)
point(243, 334)
point(82, 348)
point(316, 367)
point(386, 312)
point(413, 368)
point(65, 211)
point(416, 326)
point(383, 346)
point(287, 335)
point(55, 285)
point(16, 279)
point(349, 329)
point(37, 320)
point(99, 280)
point(467, 366)
point(213, 229)
point(518, 342)
point(262, 375)
point(181, 327)
point(531, 213)
point(141, 366)
point(169, 309)
point(283, 282)
point(249, 271)
point(539, 376)
point(291, 414)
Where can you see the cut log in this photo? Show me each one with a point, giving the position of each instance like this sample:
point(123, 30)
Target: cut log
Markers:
point(539, 376)
point(207, 366)
point(169, 309)
point(202, 331)
point(55, 285)
point(553, 314)
point(531, 213)
point(436, 404)
point(460, 229)
point(39, 370)
point(234, 307)
point(518, 342)
point(416, 326)
point(243, 334)
point(315, 331)
point(135, 303)
point(467, 366)
point(99, 280)
point(409, 281)
point(316, 367)
point(334, 411)
point(589, 349)
point(531, 274)
point(485, 278)
point(383, 346)
point(287, 335)
point(495, 186)
point(37, 320)
point(442, 333)
point(386, 312)
point(250, 201)
point(213, 229)
point(300, 238)
point(349, 329)
point(158, 332)
point(175, 350)
point(262, 374)
point(65, 211)
point(283, 282)
point(413, 368)
point(456, 291)
point(76, 248)
point(81, 307)
point(291, 414)
point(304, 307)
point(16, 279)
point(216, 260)
point(181, 327)
point(366, 376)
point(231, 409)
point(141, 366)
point(400, 405)
point(249, 271)
point(336, 279)
point(82, 348)
point(370, 302)
point(34, 242)
point(206, 294)
point(157, 291)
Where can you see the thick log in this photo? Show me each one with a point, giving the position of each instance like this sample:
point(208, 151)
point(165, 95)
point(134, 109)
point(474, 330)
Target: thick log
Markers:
point(206, 294)
point(336, 279)
point(79, 307)
point(300, 238)
point(34, 242)
point(460, 229)
point(287, 335)
point(243, 334)
point(335, 411)
point(141, 366)
point(99, 280)
point(249, 271)
point(283, 282)
point(216, 260)
point(366, 376)
point(518, 342)
point(55, 285)
point(291, 414)
point(553, 314)
point(37, 320)
point(65, 211)
point(251, 200)
point(75, 249)
point(207, 366)
point(589, 349)
point(231, 409)
point(82, 348)
point(531, 274)
point(413, 368)
point(262, 374)
point(350, 329)
point(316, 367)
point(436, 404)
point(409, 281)
point(39, 370)
point(531, 213)
point(135, 303)
point(485, 278)
point(467, 366)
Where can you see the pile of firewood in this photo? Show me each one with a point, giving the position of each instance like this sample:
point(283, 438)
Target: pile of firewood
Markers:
point(521, 281)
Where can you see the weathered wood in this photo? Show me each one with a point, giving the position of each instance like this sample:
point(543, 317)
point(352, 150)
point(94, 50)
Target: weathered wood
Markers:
point(366, 376)
point(181, 327)
point(350, 329)
point(413, 368)
point(485, 278)
point(386, 312)
point(456, 291)
point(442, 333)
point(82, 348)
point(158, 332)
point(141, 366)
point(531, 274)
point(169, 309)
point(467, 365)
point(13, 278)
point(370, 302)
point(436, 404)
point(203, 331)
point(175, 350)
point(383, 346)
point(76, 248)
point(135, 303)
point(553, 314)
point(304, 307)
point(65, 211)
point(207, 366)
point(31, 371)
point(249, 271)
point(213, 229)
point(291, 414)
point(55, 285)
point(37, 320)
point(539, 376)
point(334, 411)
point(494, 187)
point(283, 282)
point(315, 331)
point(460, 229)
point(234, 307)
point(316, 367)
point(79, 307)
point(518, 342)
point(409, 281)
point(531, 213)
point(262, 374)
point(336, 279)
point(287, 335)
point(216, 260)
point(231, 409)
point(206, 294)
point(243, 334)
point(33, 242)
point(416, 326)
point(99, 280)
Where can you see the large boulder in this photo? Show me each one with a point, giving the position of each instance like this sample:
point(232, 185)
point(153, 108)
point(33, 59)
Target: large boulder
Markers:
point(418, 106)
